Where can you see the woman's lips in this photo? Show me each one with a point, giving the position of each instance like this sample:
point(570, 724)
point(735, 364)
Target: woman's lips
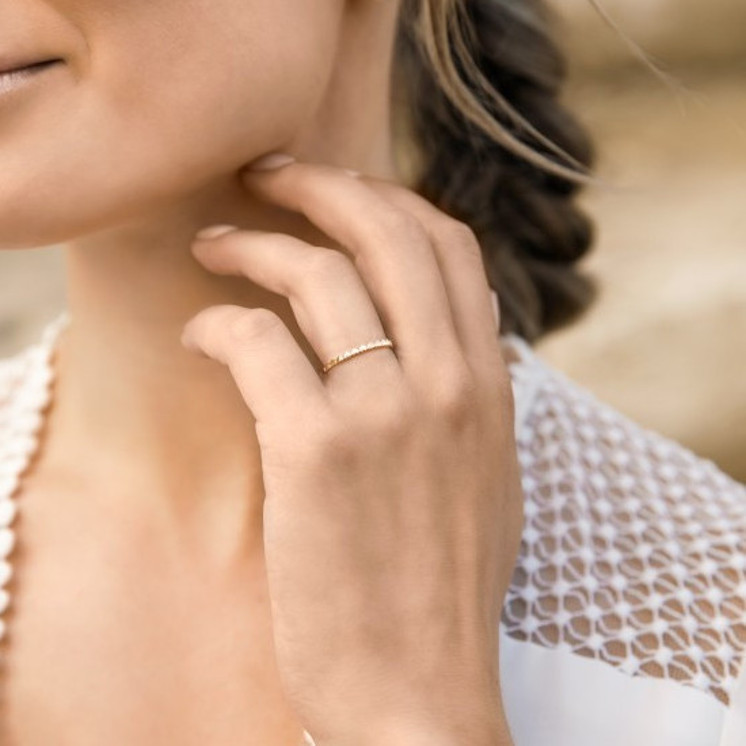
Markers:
point(14, 79)
point(7, 66)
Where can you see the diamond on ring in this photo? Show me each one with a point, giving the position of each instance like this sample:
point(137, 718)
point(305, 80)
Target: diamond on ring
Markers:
point(386, 342)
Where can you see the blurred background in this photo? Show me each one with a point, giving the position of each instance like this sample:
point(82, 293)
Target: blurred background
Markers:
point(666, 341)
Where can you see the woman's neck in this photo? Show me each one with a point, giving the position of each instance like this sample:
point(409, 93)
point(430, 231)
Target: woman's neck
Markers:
point(137, 415)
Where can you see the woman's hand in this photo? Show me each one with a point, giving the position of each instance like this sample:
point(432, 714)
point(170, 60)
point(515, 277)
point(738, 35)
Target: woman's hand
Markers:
point(393, 508)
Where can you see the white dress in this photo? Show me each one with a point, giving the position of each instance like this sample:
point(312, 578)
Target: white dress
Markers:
point(625, 622)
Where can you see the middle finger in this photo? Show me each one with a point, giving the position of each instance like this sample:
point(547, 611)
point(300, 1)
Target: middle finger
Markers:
point(390, 249)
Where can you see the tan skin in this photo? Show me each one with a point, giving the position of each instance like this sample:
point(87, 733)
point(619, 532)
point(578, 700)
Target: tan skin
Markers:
point(180, 491)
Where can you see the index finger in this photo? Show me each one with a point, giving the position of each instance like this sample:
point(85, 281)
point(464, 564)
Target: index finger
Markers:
point(475, 305)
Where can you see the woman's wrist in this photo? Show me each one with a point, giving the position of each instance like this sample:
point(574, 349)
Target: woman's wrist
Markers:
point(477, 734)
point(489, 734)
point(488, 728)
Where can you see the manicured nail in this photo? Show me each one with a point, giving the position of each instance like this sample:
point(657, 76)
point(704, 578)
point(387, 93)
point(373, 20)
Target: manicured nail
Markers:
point(214, 231)
point(270, 162)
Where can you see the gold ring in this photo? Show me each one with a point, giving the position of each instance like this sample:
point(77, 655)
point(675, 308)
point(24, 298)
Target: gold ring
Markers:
point(386, 342)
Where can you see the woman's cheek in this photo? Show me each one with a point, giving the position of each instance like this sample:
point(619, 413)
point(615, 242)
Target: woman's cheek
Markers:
point(150, 117)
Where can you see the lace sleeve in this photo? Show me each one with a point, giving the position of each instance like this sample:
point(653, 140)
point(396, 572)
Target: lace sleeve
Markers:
point(634, 548)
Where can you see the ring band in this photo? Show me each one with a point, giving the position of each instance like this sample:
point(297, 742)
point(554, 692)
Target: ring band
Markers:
point(386, 342)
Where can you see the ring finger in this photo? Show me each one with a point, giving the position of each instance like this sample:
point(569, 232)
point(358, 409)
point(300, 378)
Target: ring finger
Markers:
point(327, 295)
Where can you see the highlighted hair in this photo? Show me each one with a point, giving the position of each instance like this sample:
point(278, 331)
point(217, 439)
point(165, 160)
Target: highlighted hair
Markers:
point(496, 148)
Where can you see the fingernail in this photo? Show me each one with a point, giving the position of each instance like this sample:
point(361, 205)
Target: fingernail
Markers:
point(270, 162)
point(352, 172)
point(214, 231)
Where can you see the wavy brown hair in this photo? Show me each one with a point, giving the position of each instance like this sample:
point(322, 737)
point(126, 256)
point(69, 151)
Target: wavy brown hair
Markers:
point(479, 84)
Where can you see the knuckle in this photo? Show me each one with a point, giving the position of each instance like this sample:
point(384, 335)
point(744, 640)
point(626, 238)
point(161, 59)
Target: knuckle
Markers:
point(336, 441)
point(392, 416)
point(374, 425)
point(461, 237)
point(323, 265)
point(349, 437)
point(244, 325)
point(401, 223)
point(456, 398)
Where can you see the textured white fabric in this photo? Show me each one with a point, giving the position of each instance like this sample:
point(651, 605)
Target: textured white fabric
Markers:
point(734, 727)
point(554, 697)
point(625, 621)
point(634, 548)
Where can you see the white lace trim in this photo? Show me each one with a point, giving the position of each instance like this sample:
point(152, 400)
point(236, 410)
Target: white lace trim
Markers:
point(634, 548)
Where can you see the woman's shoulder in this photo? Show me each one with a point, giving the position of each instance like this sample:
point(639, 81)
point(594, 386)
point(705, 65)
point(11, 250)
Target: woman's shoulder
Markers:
point(565, 426)
point(634, 547)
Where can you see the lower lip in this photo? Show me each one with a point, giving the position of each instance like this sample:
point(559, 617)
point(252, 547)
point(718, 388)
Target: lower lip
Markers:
point(15, 79)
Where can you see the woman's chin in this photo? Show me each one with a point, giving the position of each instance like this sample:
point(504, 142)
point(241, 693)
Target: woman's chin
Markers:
point(35, 232)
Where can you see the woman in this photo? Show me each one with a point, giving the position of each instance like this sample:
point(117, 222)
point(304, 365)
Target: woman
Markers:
point(217, 527)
